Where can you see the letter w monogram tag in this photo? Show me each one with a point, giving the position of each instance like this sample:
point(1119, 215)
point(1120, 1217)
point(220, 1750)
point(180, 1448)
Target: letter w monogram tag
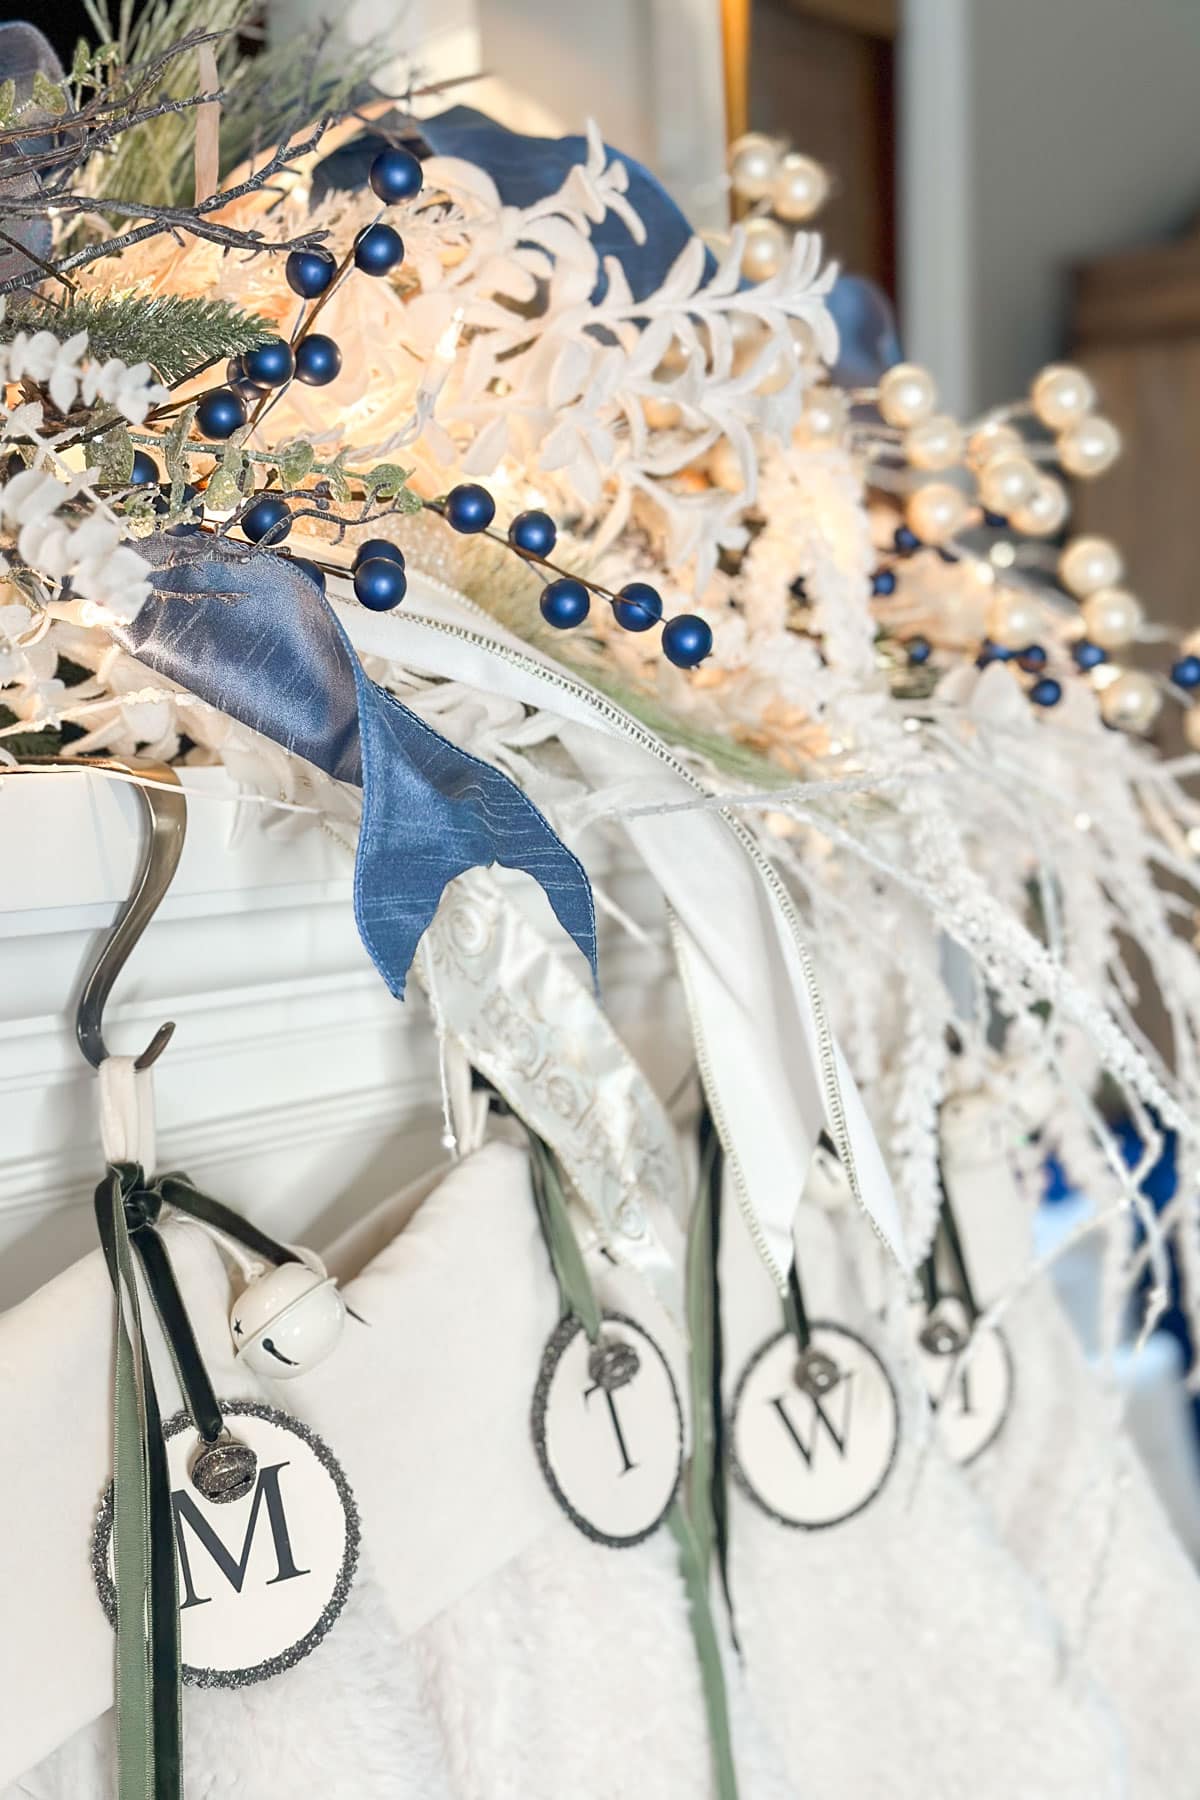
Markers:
point(814, 1458)
point(261, 1579)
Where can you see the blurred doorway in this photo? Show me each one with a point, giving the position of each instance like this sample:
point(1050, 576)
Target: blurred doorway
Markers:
point(822, 74)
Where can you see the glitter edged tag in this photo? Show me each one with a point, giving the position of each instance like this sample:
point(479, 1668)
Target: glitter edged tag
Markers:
point(968, 1375)
point(263, 1576)
point(814, 1437)
point(608, 1429)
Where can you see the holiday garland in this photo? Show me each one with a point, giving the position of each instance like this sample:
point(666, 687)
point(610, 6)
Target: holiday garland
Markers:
point(843, 608)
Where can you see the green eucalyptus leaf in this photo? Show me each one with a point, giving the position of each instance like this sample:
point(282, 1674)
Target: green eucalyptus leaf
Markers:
point(387, 479)
point(174, 447)
point(46, 95)
point(223, 492)
point(114, 457)
point(294, 462)
point(335, 473)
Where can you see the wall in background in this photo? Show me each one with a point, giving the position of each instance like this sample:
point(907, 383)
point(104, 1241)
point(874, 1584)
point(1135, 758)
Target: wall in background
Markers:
point(647, 71)
point(1034, 135)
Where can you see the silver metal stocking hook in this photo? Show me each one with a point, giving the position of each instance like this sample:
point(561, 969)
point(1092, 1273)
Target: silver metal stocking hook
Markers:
point(164, 809)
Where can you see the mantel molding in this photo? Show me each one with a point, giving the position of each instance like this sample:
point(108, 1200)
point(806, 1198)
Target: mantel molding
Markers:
point(295, 1085)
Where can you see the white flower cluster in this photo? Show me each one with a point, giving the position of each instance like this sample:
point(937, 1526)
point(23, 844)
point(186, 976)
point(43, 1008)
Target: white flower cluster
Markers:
point(60, 544)
point(91, 556)
point(58, 367)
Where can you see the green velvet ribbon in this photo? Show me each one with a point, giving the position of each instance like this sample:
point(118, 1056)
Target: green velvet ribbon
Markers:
point(691, 1524)
point(128, 1207)
point(947, 1239)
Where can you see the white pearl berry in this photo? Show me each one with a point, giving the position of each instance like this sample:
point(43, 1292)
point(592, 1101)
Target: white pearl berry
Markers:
point(765, 250)
point(1045, 511)
point(907, 394)
point(1006, 483)
point(1191, 727)
point(991, 440)
point(936, 443)
point(1062, 395)
point(1111, 617)
point(1131, 702)
point(753, 163)
point(1014, 620)
point(936, 512)
point(825, 415)
point(1089, 448)
point(1089, 563)
point(800, 189)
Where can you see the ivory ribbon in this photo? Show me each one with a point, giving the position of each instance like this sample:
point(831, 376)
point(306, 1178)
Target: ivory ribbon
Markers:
point(527, 1022)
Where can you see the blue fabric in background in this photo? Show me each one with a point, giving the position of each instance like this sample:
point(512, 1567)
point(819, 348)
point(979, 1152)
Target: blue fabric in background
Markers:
point(24, 53)
point(1159, 1187)
point(255, 636)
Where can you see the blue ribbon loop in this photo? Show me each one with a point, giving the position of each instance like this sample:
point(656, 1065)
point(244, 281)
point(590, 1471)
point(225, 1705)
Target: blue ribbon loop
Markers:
point(253, 635)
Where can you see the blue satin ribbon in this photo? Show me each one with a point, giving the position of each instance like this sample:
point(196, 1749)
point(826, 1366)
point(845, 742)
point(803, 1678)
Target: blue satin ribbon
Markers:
point(254, 636)
point(526, 169)
point(866, 325)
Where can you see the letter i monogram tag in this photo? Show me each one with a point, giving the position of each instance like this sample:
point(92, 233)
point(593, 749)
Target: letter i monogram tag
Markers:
point(814, 1432)
point(608, 1429)
point(262, 1577)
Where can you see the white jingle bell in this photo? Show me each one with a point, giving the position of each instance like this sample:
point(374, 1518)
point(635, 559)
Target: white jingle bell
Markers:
point(288, 1320)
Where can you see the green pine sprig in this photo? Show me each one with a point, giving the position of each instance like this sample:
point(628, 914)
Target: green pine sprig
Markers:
point(172, 333)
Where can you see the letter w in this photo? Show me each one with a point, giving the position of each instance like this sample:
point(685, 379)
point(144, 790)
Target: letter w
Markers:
point(234, 1569)
point(821, 1419)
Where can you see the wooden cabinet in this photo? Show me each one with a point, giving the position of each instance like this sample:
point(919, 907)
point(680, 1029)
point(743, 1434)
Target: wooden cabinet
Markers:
point(1136, 329)
point(821, 74)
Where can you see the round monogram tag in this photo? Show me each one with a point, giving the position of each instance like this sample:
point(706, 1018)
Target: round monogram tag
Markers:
point(970, 1393)
point(263, 1575)
point(814, 1435)
point(608, 1429)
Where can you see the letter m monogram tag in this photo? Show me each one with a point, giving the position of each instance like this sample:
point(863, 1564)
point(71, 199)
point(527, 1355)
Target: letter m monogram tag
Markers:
point(261, 1579)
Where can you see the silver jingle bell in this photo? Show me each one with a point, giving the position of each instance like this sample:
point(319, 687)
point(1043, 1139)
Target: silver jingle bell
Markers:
point(815, 1373)
point(225, 1470)
point(940, 1336)
point(613, 1364)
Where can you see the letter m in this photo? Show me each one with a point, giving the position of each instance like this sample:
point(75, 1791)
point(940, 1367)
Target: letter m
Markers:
point(233, 1568)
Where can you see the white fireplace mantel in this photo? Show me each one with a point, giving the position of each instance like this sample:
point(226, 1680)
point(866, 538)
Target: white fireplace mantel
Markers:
point(295, 1087)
